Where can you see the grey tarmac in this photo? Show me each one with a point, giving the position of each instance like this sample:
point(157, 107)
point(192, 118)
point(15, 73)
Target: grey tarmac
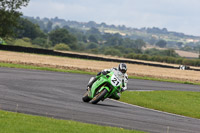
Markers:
point(59, 95)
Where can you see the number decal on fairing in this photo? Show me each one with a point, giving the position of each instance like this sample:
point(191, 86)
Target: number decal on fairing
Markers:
point(115, 81)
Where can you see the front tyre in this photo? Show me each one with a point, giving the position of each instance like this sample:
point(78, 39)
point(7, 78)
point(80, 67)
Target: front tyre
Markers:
point(85, 97)
point(99, 96)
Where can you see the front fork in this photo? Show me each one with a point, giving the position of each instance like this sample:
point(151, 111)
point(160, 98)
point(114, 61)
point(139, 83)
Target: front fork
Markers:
point(107, 88)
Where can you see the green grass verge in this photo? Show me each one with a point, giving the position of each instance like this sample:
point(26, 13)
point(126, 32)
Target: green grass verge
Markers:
point(21, 123)
point(177, 102)
point(10, 65)
point(164, 80)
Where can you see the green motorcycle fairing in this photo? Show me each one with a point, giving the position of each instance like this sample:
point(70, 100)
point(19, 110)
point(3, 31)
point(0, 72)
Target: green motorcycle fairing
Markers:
point(111, 81)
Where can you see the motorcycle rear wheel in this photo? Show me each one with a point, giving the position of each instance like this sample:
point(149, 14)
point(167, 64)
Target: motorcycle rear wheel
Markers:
point(99, 96)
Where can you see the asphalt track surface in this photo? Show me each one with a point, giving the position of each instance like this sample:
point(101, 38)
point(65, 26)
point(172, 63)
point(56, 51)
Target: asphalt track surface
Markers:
point(58, 95)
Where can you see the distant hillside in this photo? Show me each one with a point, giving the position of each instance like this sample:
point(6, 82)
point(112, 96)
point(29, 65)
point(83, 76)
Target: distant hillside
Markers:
point(149, 35)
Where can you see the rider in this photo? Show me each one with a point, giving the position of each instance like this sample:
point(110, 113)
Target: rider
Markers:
point(121, 68)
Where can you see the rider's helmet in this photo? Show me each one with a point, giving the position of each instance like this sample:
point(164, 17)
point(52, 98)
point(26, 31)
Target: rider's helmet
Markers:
point(122, 68)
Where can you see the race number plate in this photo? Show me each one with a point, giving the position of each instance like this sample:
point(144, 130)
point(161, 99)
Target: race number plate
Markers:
point(115, 81)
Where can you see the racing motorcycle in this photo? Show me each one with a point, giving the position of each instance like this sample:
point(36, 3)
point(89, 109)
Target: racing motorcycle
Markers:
point(104, 87)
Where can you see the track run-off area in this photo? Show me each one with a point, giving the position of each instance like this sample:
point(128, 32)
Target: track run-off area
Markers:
point(59, 95)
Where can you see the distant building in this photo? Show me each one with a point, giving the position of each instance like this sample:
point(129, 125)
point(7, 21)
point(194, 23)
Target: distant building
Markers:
point(192, 40)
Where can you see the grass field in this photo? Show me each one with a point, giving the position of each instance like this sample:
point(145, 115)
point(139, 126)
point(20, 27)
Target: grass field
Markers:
point(187, 54)
point(177, 102)
point(21, 123)
point(96, 66)
point(25, 66)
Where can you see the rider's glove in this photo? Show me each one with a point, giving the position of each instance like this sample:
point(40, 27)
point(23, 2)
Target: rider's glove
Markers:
point(104, 72)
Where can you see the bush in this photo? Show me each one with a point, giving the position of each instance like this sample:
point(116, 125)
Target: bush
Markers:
point(197, 62)
point(156, 58)
point(179, 60)
point(10, 41)
point(143, 57)
point(25, 42)
point(26, 39)
point(170, 60)
point(130, 55)
point(62, 46)
point(94, 51)
point(187, 62)
point(40, 41)
point(114, 52)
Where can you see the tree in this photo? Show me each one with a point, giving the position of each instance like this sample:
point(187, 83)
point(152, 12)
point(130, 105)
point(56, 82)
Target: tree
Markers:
point(28, 29)
point(179, 44)
point(62, 46)
point(92, 38)
point(9, 16)
point(62, 36)
point(93, 31)
point(170, 52)
point(140, 43)
point(81, 46)
point(106, 36)
point(41, 42)
point(49, 26)
point(161, 43)
point(114, 40)
point(135, 44)
point(152, 40)
point(92, 45)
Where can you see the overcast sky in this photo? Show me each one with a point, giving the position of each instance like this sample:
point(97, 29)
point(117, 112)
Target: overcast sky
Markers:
point(175, 15)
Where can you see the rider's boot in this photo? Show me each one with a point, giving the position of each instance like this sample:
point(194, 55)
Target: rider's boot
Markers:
point(92, 80)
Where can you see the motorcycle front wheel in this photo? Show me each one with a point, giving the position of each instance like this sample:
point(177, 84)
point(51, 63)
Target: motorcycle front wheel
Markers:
point(99, 96)
point(85, 97)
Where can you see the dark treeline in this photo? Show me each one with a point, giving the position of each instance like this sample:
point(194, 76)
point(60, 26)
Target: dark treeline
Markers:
point(91, 41)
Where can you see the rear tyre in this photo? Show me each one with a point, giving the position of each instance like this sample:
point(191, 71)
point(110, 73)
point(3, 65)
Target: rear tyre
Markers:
point(99, 96)
point(85, 97)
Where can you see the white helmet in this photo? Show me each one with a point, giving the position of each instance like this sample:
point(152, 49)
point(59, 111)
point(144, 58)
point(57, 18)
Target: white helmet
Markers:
point(122, 68)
